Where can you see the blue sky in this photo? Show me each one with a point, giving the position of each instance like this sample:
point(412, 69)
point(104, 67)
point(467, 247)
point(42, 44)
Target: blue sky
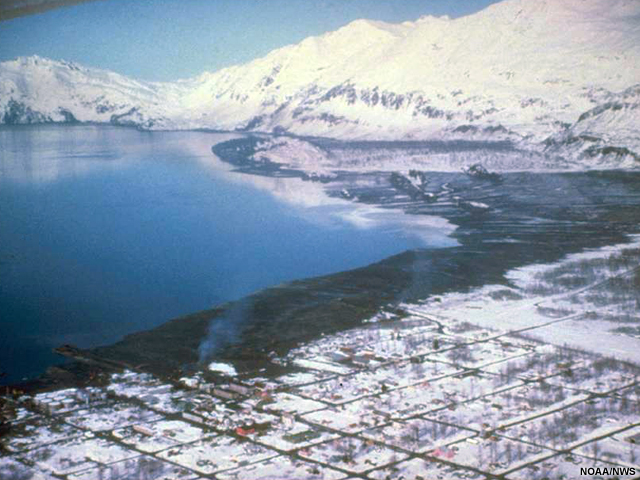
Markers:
point(172, 39)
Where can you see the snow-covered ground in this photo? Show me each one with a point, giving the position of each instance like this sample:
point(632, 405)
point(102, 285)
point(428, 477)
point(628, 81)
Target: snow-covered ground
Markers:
point(418, 434)
point(110, 417)
point(415, 397)
point(622, 448)
point(419, 468)
point(38, 432)
point(351, 454)
point(216, 453)
point(316, 157)
point(160, 435)
point(223, 368)
point(76, 455)
point(281, 467)
point(563, 303)
point(138, 467)
point(566, 466)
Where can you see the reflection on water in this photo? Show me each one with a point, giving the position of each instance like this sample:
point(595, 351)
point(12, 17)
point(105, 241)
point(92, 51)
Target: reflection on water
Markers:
point(106, 231)
point(59, 153)
point(312, 202)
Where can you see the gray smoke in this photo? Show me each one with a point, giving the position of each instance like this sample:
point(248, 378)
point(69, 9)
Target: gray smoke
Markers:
point(224, 330)
point(422, 278)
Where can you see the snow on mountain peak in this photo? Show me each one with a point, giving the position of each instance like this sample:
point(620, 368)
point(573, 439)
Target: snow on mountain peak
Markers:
point(520, 69)
point(557, 10)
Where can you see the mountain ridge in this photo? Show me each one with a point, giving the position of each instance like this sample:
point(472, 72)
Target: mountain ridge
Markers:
point(518, 70)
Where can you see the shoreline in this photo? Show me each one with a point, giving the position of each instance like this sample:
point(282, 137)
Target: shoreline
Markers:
point(312, 307)
point(467, 144)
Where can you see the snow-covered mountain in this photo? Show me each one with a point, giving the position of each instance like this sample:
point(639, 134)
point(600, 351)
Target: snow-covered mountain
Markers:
point(562, 72)
point(37, 90)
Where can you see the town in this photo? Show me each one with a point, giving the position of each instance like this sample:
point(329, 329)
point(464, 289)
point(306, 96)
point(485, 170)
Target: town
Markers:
point(415, 391)
point(396, 398)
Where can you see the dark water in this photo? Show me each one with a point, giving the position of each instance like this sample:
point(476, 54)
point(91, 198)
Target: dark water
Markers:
point(106, 231)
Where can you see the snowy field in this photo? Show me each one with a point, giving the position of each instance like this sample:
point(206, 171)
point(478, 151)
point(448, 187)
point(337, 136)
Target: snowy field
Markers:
point(562, 303)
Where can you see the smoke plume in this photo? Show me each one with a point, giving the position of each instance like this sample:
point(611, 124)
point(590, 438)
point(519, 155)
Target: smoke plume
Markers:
point(224, 330)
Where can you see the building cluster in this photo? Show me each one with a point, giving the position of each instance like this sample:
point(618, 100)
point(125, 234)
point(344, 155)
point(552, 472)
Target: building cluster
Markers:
point(392, 399)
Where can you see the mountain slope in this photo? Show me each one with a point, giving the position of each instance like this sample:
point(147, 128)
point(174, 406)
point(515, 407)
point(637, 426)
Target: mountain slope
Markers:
point(36, 90)
point(521, 69)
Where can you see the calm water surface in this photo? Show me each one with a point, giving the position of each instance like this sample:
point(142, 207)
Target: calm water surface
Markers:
point(105, 231)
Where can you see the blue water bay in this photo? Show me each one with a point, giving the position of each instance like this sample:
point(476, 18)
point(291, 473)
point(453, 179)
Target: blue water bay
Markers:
point(106, 231)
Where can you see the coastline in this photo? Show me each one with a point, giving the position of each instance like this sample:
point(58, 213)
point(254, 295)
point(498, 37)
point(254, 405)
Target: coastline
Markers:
point(512, 234)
